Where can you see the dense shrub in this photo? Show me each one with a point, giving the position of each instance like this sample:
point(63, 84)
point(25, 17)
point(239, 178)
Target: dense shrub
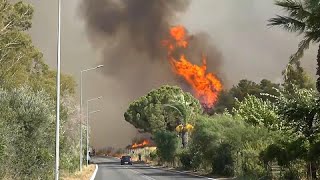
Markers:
point(228, 146)
point(185, 158)
point(167, 145)
point(153, 155)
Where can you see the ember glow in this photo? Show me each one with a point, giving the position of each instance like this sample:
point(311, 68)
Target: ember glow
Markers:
point(206, 86)
point(144, 143)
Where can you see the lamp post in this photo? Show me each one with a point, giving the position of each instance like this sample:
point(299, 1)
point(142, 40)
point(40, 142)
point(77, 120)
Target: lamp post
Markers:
point(86, 70)
point(94, 99)
point(57, 153)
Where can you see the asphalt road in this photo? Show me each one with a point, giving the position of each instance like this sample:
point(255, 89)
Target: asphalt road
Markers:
point(110, 169)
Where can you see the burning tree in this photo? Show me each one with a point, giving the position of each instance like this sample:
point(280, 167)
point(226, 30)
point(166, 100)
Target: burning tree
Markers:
point(206, 86)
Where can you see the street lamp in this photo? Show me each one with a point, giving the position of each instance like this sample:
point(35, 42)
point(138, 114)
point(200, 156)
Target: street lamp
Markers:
point(86, 70)
point(94, 99)
point(58, 94)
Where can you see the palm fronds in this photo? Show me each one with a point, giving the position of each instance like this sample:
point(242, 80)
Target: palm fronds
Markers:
point(294, 8)
point(288, 23)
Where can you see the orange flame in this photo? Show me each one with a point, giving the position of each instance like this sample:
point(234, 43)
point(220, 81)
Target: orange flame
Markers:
point(140, 145)
point(206, 86)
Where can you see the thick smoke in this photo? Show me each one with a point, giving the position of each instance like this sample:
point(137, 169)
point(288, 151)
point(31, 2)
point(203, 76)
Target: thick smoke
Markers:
point(130, 33)
point(250, 50)
point(144, 22)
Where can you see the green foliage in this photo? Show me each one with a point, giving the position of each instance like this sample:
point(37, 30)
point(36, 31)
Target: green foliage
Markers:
point(27, 107)
point(303, 17)
point(153, 155)
point(150, 113)
point(228, 145)
point(222, 161)
point(246, 87)
point(300, 112)
point(29, 131)
point(295, 76)
point(227, 99)
point(20, 62)
point(185, 158)
point(257, 112)
point(167, 145)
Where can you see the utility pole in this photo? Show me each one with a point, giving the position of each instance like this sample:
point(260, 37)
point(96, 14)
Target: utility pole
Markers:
point(58, 94)
point(80, 121)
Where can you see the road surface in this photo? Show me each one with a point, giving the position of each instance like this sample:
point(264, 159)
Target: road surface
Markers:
point(110, 168)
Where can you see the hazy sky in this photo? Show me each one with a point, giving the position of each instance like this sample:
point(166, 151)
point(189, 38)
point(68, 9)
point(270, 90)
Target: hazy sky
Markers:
point(237, 28)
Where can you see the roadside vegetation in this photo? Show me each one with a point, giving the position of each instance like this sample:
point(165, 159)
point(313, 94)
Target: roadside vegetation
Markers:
point(27, 103)
point(269, 132)
point(86, 173)
point(259, 130)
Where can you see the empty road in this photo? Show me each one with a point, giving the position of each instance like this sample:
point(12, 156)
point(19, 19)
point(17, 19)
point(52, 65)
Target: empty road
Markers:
point(110, 168)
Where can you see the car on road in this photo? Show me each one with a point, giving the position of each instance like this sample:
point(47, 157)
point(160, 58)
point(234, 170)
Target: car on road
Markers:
point(126, 160)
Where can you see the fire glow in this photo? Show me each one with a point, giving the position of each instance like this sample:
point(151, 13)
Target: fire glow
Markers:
point(206, 86)
point(143, 144)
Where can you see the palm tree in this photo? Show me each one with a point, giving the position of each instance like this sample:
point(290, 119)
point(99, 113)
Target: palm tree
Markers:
point(185, 116)
point(303, 18)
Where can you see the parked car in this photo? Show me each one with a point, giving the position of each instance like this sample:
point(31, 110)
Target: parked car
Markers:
point(126, 160)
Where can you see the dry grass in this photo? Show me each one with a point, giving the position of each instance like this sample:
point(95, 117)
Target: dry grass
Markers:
point(85, 175)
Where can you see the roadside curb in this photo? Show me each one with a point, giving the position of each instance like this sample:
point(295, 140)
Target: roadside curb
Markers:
point(94, 173)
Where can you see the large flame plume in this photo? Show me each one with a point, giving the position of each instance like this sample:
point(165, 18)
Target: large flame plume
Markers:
point(206, 86)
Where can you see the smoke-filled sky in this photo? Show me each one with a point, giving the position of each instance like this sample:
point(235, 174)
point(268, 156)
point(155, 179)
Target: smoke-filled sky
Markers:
point(234, 31)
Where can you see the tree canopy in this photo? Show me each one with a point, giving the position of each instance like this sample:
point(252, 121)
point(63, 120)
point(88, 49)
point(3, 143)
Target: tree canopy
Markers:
point(27, 102)
point(20, 62)
point(227, 99)
point(150, 113)
point(257, 112)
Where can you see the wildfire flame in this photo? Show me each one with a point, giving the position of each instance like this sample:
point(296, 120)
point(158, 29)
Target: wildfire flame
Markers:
point(206, 86)
point(140, 145)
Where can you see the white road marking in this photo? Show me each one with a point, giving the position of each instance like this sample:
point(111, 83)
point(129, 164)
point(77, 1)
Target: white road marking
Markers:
point(182, 172)
point(144, 176)
point(94, 173)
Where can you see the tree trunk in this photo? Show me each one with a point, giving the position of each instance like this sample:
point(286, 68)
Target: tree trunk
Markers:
point(312, 169)
point(184, 138)
point(318, 69)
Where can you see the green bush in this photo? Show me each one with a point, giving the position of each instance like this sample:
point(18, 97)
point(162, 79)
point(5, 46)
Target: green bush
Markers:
point(153, 155)
point(185, 158)
point(167, 145)
point(226, 145)
point(222, 161)
point(27, 131)
point(291, 174)
point(28, 121)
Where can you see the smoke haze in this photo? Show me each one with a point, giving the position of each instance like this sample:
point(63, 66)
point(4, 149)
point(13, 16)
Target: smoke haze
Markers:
point(233, 33)
point(129, 33)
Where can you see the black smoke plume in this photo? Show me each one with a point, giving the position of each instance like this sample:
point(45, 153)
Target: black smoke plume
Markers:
point(130, 32)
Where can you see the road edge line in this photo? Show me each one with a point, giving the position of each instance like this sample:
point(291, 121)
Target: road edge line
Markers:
point(94, 173)
point(183, 172)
